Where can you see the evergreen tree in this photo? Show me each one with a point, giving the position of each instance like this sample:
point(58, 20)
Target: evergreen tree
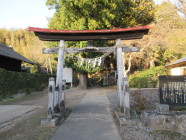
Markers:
point(98, 14)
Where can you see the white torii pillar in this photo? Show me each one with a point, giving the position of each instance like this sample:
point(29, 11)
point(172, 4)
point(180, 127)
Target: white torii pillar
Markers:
point(123, 86)
point(120, 73)
point(59, 75)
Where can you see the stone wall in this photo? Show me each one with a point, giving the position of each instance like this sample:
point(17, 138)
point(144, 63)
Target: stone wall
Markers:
point(171, 121)
point(151, 95)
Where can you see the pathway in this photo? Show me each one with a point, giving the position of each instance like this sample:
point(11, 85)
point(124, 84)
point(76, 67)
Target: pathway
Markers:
point(16, 110)
point(90, 120)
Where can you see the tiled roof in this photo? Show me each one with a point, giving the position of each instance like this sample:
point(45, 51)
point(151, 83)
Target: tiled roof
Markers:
point(9, 52)
point(178, 62)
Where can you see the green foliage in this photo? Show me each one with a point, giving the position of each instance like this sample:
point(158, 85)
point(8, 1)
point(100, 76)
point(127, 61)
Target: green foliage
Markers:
point(100, 14)
point(34, 69)
point(15, 82)
point(95, 15)
point(147, 78)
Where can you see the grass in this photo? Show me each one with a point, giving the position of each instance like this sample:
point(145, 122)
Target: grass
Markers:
point(13, 100)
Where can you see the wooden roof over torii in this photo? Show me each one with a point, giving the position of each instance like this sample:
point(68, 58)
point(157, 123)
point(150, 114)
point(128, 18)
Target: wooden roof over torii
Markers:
point(85, 35)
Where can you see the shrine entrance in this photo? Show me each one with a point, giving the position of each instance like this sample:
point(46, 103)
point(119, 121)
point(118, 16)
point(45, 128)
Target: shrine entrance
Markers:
point(56, 86)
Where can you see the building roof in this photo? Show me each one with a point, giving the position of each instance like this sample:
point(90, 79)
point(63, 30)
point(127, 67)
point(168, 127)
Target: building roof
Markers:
point(177, 63)
point(84, 35)
point(9, 52)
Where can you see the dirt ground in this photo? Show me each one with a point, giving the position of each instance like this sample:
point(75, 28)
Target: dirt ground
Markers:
point(28, 127)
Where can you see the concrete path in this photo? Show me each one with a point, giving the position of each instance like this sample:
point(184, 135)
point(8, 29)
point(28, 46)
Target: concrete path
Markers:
point(90, 120)
point(9, 113)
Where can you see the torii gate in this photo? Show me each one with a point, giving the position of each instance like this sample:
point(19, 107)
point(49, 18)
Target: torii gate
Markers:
point(56, 91)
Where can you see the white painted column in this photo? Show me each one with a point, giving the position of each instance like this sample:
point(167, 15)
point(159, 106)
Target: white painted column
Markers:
point(59, 76)
point(120, 73)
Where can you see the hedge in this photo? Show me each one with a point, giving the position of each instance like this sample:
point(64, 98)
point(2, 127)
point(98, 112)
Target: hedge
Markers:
point(12, 83)
point(147, 78)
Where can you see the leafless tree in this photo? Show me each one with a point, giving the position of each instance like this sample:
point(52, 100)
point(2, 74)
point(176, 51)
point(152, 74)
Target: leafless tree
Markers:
point(180, 5)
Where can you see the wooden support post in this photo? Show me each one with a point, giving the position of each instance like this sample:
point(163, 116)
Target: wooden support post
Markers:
point(126, 105)
point(59, 76)
point(51, 94)
point(63, 89)
point(125, 92)
point(120, 73)
point(56, 97)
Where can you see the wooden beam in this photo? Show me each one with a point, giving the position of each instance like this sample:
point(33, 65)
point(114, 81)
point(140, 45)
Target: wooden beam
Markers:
point(130, 49)
point(88, 49)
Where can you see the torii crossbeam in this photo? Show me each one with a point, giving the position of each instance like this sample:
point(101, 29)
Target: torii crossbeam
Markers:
point(87, 35)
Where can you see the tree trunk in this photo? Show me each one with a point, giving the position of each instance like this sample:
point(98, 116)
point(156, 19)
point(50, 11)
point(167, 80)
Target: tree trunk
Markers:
point(83, 80)
point(152, 63)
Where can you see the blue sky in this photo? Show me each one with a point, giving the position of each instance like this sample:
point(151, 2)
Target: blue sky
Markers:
point(24, 13)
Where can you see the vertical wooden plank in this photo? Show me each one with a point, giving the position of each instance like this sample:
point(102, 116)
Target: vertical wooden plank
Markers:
point(59, 76)
point(120, 73)
point(51, 89)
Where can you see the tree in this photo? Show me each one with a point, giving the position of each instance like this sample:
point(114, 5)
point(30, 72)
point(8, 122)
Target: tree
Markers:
point(99, 14)
point(27, 44)
point(171, 28)
point(164, 43)
point(180, 5)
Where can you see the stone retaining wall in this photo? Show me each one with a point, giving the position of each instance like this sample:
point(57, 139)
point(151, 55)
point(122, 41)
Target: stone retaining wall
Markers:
point(151, 95)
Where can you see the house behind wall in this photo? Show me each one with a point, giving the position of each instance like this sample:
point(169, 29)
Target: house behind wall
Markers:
point(178, 71)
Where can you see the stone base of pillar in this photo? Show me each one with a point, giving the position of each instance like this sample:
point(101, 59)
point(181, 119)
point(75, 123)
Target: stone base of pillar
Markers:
point(51, 121)
point(127, 113)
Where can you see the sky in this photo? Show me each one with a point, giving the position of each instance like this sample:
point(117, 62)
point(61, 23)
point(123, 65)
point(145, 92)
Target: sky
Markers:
point(24, 13)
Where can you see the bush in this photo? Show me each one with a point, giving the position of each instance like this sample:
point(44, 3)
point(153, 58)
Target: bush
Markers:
point(147, 78)
point(34, 69)
point(12, 83)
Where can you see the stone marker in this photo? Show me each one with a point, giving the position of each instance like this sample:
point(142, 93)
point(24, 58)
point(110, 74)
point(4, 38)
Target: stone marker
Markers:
point(162, 108)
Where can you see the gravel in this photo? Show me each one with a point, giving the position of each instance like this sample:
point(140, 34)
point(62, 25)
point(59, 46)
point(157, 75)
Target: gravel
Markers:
point(133, 130)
